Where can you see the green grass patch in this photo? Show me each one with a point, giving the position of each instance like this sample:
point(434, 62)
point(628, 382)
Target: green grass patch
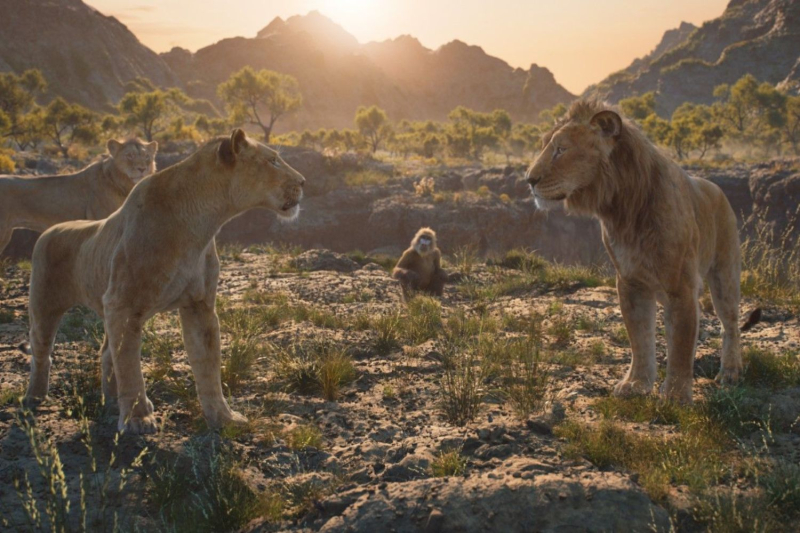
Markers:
point(449, 463)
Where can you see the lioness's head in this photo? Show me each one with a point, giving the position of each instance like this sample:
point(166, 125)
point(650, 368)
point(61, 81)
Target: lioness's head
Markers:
point(575, 156)
point(134, 158)
point(260, 178)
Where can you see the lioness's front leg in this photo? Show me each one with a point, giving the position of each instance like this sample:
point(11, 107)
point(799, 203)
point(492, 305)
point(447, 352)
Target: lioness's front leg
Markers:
point(681, 320)
point(638, 305)
point(125, 340)
point(201, 338)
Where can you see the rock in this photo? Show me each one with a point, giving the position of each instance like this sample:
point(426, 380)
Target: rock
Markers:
point(539, 426)
point(85, 56)
point(314, 260)
point(547, 502)
point(775, 188)
point(435, 522)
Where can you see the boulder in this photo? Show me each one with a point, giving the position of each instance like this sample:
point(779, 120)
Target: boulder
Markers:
point(314, 260)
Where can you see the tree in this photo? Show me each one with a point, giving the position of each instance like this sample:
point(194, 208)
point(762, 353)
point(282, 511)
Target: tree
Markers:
point(249, 95)
point(30, 129)
point(751, 112)
point(373, 124)
point(211, 127)
point(17, 97)
point(66, 124)
point(552, 115)
point(639, 108)
point(145, 111)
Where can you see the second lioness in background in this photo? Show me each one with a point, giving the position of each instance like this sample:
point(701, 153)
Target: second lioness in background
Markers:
point(39, 202)
point(420, 267)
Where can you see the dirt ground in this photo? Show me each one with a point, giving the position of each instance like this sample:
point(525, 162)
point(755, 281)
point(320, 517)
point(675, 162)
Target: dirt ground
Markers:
point(384, 453)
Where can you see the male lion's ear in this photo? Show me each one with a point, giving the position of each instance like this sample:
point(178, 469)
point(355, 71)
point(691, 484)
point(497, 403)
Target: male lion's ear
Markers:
point(113, 146)
point(608, 123)
point(238, 140)
point(151, 148)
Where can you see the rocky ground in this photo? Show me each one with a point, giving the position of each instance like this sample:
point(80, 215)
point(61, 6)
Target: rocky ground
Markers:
point(489, 411)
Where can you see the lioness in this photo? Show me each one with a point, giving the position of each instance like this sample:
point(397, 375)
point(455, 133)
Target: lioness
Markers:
point(36, 203)
point(156, 253)
point(664, 230)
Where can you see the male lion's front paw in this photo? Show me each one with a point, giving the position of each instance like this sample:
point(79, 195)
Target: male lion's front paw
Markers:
point(138, 425)
point(225, 417)
point(31, 401)
point(729, 376)
point(677, 390)
point(626, 388)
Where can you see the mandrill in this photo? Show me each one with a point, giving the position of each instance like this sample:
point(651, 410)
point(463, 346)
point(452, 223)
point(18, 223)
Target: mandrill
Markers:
point(420, 267)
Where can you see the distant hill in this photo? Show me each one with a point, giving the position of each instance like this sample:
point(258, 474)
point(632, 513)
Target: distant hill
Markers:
point(337, 74)
point(759, 37)
point(86, 56)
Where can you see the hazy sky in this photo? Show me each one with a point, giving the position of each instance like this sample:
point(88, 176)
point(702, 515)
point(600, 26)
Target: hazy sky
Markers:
point(581, 41)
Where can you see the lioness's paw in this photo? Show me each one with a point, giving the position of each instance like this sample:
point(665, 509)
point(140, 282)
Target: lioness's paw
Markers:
point(678, 391)
point(138, 425)
point(729, 376)
point(627, 388)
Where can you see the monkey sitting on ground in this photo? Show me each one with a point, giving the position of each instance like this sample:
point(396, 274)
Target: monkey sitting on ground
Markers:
point(420, 267)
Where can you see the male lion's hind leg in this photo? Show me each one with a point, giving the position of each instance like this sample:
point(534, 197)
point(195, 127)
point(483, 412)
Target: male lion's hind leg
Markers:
point(124, 331)
point(108, 377)
point(638, 307)
point(724, 286)
point(201, 338)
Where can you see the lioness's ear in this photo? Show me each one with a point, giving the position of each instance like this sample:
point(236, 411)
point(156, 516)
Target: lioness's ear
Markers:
point(151, 148)
point(113, 146)
point(238, 140)
point(607, 123)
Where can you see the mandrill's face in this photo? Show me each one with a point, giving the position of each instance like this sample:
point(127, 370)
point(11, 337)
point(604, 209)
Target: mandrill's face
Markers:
point(424, 244)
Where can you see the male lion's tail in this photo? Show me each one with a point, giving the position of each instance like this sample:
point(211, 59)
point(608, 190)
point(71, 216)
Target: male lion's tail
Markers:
point(753, 318)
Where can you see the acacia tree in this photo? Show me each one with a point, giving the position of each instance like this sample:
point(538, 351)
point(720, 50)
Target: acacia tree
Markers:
point(152, 112)
point(373, 124)
point(66, 124)
point(750, 111)
point(17, 97)
point(250, 96)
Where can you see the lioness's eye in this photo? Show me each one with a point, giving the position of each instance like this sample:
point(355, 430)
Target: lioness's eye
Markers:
point(275, 162)
point(558, 151)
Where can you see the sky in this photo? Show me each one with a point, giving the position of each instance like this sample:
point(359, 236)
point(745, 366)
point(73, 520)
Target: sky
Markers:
point(580, 41)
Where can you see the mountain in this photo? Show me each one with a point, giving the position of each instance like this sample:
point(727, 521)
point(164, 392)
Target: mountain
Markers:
point(337, 74)
point(759, 37)
point(86, 56)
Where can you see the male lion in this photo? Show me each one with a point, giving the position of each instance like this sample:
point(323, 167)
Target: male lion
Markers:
point(156, 253)
point(93, 193)
point(664, 230)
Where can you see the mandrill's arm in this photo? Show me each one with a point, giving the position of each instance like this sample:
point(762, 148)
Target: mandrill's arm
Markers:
point(404, 270)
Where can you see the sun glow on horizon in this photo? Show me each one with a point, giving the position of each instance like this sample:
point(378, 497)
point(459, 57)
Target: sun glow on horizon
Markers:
point(580, 41)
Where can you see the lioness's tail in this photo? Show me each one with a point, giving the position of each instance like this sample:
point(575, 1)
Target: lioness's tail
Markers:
point(25, 347)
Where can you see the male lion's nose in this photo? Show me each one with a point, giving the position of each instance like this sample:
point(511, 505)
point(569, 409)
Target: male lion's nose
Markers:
point(531, 177)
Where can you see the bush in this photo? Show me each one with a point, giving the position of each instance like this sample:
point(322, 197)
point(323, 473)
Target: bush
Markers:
point(7, 165)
